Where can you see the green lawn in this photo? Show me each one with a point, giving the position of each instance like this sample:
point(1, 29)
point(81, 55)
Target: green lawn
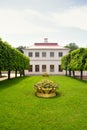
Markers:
point(20, 109)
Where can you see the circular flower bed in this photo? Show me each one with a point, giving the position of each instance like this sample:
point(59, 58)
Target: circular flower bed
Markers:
point(46, 88)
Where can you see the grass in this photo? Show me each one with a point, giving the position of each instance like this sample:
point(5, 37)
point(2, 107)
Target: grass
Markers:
point(20, 109)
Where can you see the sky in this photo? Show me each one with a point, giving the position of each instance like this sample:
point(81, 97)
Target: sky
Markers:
point(24, 22)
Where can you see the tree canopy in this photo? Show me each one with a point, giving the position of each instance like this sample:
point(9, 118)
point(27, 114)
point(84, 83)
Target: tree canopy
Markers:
point(75, 61)
point(12, 59)
point(20, 48)
point(72, 46)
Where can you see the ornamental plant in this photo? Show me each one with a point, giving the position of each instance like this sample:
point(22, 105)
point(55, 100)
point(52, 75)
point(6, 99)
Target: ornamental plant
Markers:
point(46, 88)
point(45, 75)
point(46, 84)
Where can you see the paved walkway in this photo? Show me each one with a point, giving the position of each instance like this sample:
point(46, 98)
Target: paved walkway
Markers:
point(5, 76)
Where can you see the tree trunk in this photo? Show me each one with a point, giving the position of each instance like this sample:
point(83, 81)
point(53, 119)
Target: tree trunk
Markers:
point(81, 75)
point(16, 73)
point(20, 73)
point(69, 72)
point(73, 73)
point(0, 74)
point(66, 72)
point(23, 73)
point(9, 74)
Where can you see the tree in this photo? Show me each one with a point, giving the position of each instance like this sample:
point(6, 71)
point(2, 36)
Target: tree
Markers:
point(12, 59)
point(78, 60)
point(68, 63)
point(85, 59)
point(64, 62)
point(72, 46)
point(1, 59)
point(75, 61)
point(20, 48)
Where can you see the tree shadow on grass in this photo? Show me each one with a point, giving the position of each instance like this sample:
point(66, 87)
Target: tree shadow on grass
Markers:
point(58, 94)
point(11, 82)
point(78, 79)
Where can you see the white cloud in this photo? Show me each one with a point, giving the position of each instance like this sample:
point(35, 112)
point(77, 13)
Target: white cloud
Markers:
point(31, 21)
point(22, 22)
point(73, 17)
point(11, 21)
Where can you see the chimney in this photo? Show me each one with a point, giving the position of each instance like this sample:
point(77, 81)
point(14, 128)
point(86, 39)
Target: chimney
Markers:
point(45, 40)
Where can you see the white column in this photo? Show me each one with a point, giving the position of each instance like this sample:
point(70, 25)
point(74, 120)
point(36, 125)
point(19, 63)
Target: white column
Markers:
point(33, 68)
point(48, 68)
point(40, 68)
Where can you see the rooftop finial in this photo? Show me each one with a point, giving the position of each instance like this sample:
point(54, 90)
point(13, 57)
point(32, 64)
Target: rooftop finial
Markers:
point(45, 40)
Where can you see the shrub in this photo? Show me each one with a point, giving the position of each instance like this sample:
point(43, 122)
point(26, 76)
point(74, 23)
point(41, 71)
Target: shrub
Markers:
point(46, 88)
point(46, 84)
point(45, 75)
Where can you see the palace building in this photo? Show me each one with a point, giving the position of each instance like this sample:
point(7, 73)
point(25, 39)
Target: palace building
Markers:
point(45, 58)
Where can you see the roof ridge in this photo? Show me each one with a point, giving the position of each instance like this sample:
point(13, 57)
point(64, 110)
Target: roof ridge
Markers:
point(46, 44)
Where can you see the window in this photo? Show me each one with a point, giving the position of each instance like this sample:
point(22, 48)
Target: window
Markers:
point(51, 68)
point(36, 54)
point(60, 54)
point(36, 68)
point(43, 54)
point(30, 54)
point(51, 54)
point(43, 68)
point(60, 69)
point(30, 68)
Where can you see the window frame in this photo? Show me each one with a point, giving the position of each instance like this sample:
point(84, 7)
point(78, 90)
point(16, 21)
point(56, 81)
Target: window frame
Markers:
point(37, 54)
point(59, 68)
point(44, 69)
point(51, 68)
point(60, 54)
point(37, 68)
point(43, 54)
point(31, 68)
point(30, 54)
point(52, 54)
